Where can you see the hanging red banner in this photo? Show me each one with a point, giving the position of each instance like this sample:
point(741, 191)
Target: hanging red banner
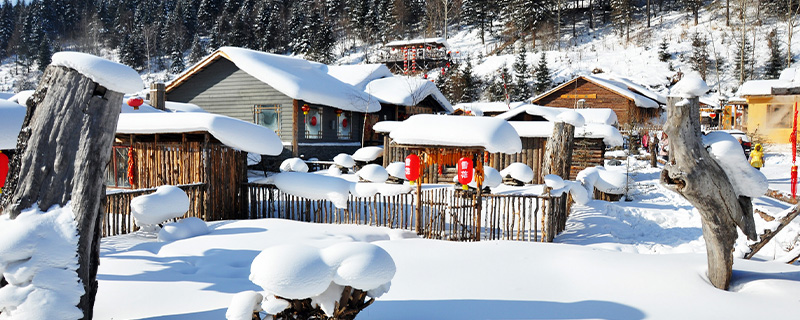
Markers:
point(465, 170)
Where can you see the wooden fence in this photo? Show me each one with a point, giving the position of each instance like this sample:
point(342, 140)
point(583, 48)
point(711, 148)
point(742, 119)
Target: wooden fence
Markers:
point(117, 216)
point(445, 213)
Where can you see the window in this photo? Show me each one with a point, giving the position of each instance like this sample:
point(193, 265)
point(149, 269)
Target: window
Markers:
point(779, 115)
point(269, 116)
point(344, 125)
point(117, 169)
point(313, 123)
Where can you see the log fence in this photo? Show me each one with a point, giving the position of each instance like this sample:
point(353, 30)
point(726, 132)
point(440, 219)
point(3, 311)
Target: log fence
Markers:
point(117, 218)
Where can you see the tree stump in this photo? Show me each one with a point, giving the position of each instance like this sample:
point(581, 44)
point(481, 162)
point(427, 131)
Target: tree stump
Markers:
point(557, 161)
point(62, 152)
point(694, 174)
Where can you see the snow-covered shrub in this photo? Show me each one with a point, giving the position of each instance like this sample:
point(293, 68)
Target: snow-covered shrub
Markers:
point(294, 165)
point(559, 186)
point(183, 229)
point(344, 160)
point(397, 172)
point(605, 181)
point(491, 178)
point(243, 305)
point(518, 171)
point(367, 154)
point(168, 202)
point(373, 173)
point(304, 282)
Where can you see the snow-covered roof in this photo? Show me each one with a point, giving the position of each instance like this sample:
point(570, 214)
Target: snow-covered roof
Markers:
point(297, 78)
point(114, 76)
point(359, 75)
point(386, 126)
point(591, 115)
point(616, 86)
point(495, 135)
point(789, 78)
point(231, 132)
point(634, 86)
point(11, 117)
point(544, 129)
point(398, 43)
point(480, 108)
point(406, 91)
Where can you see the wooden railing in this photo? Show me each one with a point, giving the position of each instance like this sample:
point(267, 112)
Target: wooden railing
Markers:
point(117, 216)
point(445, 213)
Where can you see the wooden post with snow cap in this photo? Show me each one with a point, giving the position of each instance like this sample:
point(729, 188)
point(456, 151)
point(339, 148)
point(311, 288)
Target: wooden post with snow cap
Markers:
point(694, 174)
point(558, 161)
point(64, 146)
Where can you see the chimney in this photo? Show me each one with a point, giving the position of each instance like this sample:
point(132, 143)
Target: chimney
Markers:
point(157, 95)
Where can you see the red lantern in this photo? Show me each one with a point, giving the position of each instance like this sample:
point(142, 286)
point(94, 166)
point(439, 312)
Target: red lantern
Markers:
point(464, 170)
point(412, 167)
point(135, 102)
point(305, 108)
point(313, 121)
point(344, 123)
point(339, 112)
point(712, 115)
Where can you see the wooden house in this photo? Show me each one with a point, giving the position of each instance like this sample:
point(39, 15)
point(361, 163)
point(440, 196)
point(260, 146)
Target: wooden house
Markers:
point(634, 105)
point(487, 109)
point(770, 106)
point(313, 113)
point(205, 152)
point(415, 55)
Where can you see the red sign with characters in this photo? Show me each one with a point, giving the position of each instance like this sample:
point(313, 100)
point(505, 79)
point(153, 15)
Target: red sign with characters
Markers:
point(465, 170)
point(412, 167)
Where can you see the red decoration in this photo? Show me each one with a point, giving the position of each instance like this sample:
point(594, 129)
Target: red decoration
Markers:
point(339, 112)
point(131, 166)
point(464, 170)
point(793, 138)
point(712, 115)
point(344, 123)
point(135, 102)
point(412, 167)
point(305, 108)
point(3, 169)
point(313, 121)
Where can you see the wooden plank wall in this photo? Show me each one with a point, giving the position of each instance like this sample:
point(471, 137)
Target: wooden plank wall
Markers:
point(586, 152)
point(532, 155)
point(117, 217)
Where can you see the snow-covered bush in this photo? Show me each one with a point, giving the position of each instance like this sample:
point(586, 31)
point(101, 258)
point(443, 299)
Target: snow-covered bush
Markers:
point(559, 186)
point(397, 172)
point(344, 160)
point(518, 171)
point(304, 282)
point(294, 165)
point(367, 154)
point(605, 181)
point(373, 173)
point(168, 202)
point(182, 229)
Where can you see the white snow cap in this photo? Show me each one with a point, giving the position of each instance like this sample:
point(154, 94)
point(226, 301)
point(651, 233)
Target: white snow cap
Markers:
point(367, 154)
point(313, 186)
point(11, 117)
point(359, 75)
point(243, 304)
point(344, 160)
point(571, 117)
point(114, 76)
point(232, 132)
point(293, 271)
point(373, 173)
point(406, 91)
point(590, 115)
point(691, 85)
point(386, 126)
point(495, 135)
point(301, 79)
point(601, 179)
point(397, 170)
point(294, 165)
point(553, 181)
point(543, 129)
point(518, 171)
point(746, 180)
point(182, 107)
point(479, 108)
point(168, 202)
point(183, 229)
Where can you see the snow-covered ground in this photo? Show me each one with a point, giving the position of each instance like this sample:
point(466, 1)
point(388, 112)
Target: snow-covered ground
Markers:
point(638, 259)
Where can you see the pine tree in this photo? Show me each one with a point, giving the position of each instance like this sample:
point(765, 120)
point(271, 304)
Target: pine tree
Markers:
point(480, 14)
point(777, 61)
point(542, 80)
point(499, 85)
point(198, 51)
point(663, 51)
point(622, 16)
point(700, 58)
point(470, 85)
point(6, 27)
point(207, 11)
point(44, 53)
point(742, 63)
point(522, 75)
point(177, 64)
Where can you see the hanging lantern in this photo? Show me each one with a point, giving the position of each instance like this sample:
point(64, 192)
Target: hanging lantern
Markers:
point(135, 102)
point(305, 109)
point(712, 115)
point(412, 167)
point(429, 47)
point(464, 170)
point(313, 121)
point(339, 112)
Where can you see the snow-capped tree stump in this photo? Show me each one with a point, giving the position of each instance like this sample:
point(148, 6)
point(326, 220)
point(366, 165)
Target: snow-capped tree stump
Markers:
point(557, 161)
point(694, 174)
point(62, 152)
point(349, 305)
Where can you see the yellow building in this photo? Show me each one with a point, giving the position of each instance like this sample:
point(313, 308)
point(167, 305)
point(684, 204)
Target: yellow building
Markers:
point(771, 106)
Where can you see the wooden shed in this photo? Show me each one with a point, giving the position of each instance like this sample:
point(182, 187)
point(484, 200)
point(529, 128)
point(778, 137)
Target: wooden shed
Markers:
point(634, 105)
point(273, 91)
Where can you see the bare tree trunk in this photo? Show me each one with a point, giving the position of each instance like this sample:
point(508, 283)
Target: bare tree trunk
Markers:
point(694, 174)
point(769, 234)
point(69, 129)
point(727, 13)
point(647, 12)
point(557, 161)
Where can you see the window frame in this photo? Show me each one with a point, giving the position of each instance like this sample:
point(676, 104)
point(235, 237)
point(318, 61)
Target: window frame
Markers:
point(320, 124)
point(257, 111)
point(782, 122)
point(114, 163)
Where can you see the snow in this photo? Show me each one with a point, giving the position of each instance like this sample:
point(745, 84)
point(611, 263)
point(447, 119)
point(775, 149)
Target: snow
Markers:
point(232, 132)
point(571, 117)
point(691, 85)
point(590, 115)
point(183, 229)
point(114, 76)
point(542, 129)
point(182, 107)
point(479, 108)
point(294, 165)
point(167, 202)
point(22, 97)
point(495, 135)
point(359, 75)
point(397, 170)
point(369, 189)
point(368, 154)
point(39, 260)
point(518, 171)
point(11, 117)
point(726, 150)
point(344, 160)
point(293, 271)
point(639, 100)
point(554, 181)
point(606, 181)
point(386, 126)
point(634, 87)
point(300, 79)
point(373, 173)
point(406, 91)
point(398, 43)
point(789, 78)
point(243, 304)
point(311, 186)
